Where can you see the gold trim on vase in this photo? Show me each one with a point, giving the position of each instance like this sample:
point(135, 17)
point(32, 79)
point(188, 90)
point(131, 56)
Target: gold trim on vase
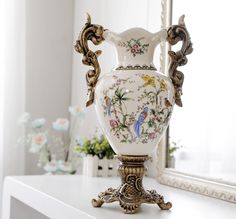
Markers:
point(136, 67)
point(94, 33)
point(131, 194)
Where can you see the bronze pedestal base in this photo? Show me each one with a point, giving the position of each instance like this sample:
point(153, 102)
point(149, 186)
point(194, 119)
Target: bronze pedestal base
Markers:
point(131, 193)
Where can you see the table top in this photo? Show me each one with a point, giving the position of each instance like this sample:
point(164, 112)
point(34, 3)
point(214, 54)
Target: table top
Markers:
point(70, 197)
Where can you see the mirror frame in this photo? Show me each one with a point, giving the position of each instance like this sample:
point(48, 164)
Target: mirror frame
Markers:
point(167, 176)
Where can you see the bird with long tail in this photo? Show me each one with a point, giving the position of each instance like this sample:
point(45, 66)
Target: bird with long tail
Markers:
point(138, 123)
point(108, 104)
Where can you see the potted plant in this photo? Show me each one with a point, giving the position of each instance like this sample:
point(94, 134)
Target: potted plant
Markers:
point(98, 157)
point(172, 148)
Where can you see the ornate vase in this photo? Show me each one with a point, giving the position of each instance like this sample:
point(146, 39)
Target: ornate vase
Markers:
point(133, 102)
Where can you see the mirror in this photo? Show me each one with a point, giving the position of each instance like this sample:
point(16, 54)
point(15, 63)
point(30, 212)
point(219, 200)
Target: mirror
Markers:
point(201, 143)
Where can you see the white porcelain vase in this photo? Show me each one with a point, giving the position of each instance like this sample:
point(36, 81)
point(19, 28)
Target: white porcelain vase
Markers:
point(134, 101)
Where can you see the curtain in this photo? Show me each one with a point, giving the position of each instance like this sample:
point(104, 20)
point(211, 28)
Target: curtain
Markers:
point(12, 79)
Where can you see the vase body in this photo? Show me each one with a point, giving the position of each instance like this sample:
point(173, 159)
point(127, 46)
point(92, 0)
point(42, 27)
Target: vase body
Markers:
point(134, 102)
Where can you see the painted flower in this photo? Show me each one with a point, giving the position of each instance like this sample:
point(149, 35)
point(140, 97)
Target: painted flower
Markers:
point(152, 135)
point(135, 46)
point(113, 123)
point(149, 80)
point(77, 111)
point(133, 50)
point(163, 86)
point(38, 141)
point(24, 118)
point(61, 124)
point(38, 123)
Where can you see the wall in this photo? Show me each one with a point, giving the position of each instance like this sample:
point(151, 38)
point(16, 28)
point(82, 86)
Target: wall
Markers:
point(49, 32)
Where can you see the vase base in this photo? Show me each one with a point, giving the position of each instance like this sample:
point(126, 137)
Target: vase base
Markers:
point(131, 194)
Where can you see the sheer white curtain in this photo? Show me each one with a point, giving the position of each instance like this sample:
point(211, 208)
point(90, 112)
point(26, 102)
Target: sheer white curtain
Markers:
point(12, 49)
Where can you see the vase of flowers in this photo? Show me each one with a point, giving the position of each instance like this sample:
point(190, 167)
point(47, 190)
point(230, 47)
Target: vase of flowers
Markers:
point(52, 143)
point(98, 157)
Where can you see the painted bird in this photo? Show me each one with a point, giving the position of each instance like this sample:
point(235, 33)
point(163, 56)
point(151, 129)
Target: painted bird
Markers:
point(108, 104)
point(139, 122)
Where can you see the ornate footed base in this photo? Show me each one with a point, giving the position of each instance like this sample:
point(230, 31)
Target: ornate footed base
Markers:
point(131, 193)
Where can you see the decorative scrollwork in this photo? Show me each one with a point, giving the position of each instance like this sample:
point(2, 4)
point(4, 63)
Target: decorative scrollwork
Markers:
point(178, 33)
point(131, 194)
point(94, 33)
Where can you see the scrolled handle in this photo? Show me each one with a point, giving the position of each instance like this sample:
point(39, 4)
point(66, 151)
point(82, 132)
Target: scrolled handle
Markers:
point(94, 33)
point(177, 33)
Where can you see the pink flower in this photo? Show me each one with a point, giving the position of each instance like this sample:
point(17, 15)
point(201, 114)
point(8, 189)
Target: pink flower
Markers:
point(151, 135)
point(133, 50)
point(135, 46)
point(113, 123)
point(61, 124)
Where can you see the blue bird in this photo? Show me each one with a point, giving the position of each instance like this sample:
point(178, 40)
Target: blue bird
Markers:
point(108, 104)
point(139, 122)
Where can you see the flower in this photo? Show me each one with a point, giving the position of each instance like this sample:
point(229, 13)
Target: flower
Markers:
point(163, 85)
point(152, 135)
point(38, 123)
point(61, 124)
point(38, 141)
point(24, 118)
point(51, 167)
point(135, 46)
point(149, 80)
point(77, 111)
point(64, 166)
point(113, 123)
point(133, 50)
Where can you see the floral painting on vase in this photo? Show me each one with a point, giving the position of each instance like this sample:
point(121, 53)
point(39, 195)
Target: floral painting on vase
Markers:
point(138, 114)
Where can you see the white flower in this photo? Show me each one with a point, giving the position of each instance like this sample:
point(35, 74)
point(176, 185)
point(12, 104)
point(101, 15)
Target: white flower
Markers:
point(77, 111)
point(38, 141)
point(51, 167)
point(61, 124)
point(24, 118)
point(38, 123)
point(64, 166)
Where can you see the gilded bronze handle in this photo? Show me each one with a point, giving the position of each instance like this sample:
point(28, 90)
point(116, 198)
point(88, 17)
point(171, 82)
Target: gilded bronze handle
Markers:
point(94, 33)
point(178, 33)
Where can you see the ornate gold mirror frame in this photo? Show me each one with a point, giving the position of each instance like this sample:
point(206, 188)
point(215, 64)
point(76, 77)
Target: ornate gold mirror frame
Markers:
point(170, 177)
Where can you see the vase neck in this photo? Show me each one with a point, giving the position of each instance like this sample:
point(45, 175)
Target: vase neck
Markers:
point(135, 47)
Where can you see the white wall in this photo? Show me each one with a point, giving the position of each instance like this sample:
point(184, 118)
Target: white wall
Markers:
point(49, 32)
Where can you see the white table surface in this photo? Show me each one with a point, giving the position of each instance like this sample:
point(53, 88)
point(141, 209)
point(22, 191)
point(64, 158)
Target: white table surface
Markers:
point(69, 197)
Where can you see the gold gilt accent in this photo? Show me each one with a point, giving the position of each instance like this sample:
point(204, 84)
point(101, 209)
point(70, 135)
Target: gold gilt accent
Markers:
point(136, 67)
point(131, 194)
point(94, 33)
point(178, 33)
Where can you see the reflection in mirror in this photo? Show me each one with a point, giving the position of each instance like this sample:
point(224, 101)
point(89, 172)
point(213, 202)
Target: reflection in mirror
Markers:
point(201, 136)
